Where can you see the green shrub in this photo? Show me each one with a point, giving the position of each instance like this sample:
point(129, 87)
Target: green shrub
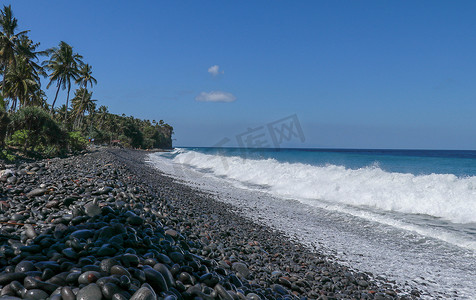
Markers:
point(76, 141)
point(19, 138)
point(52, 151)
point(126, 141)
point(42, 129)
point(133, 133)
point(4, 120)
point(7, 156)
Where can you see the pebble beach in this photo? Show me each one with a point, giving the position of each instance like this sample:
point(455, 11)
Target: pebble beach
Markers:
point(106, 225)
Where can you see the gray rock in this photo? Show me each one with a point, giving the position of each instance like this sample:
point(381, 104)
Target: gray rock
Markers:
point(362, 283)
point(89, 292)
point(280, 289)
point(107, 264)
point(253, 296)
point(106, 250)
point(109, 289)
point(69, 200)
point(35, 294)
point(92, 209)
point(25, 266)
point(70, 253)
point(144, 294)
point(222, 292)
point(135, 220)
point(12, 180)
point(30, 231)
point(88, 277)
point(36, 192)
point(9, 298)
point(119, 270)
point(6, 278)
point(169, 279)
point(155, 279)
point(82, 234)
point(241, 268)
point(171, 232)
point(103, 190)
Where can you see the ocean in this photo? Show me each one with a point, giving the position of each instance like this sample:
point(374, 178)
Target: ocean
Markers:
point(406, 215)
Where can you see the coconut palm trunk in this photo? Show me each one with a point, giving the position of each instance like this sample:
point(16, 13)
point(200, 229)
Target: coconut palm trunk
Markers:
point(56, 96)
point(66, 110)
point(3, 84)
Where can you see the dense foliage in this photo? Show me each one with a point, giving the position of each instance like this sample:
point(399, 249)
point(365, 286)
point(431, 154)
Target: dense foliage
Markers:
point(29, 124)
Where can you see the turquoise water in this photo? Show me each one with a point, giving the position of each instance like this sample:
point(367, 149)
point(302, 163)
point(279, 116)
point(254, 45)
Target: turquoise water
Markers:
point(417, 162)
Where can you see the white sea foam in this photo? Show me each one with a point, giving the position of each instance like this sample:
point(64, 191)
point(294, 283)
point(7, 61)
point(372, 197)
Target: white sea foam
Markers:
point(443, 196)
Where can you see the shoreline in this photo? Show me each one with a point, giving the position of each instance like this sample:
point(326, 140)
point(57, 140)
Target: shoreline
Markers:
point(251, 261)
point(273, 237)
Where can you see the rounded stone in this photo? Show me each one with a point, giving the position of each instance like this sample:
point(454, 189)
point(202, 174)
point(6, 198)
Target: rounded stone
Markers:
point(70, 253)
point(242, 269)
point(67, 293)
point(92, 209)
point(89, 292)
point(73, 277)
point(25, 266)
point(35, 294)
point(82, 234)
point(88, 277)
point(176, 257)
point(279, 289)
point(18, 217)
point(106, 250)
point(171, 232)
point(107, 264)
point(109, 289)
point(222, 292)
point(185, 278)
point(119, 270)
point(144, 294)
point(155, 279)
point(164, 259)
point(135, 220)
point(6, 278)
point(109, 279)
point(169, 278)
point(33, 283)
point(125, 282)
point(30, 231)
point(129, 259)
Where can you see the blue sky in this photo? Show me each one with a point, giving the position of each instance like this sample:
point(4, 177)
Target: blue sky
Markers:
point(358, 74)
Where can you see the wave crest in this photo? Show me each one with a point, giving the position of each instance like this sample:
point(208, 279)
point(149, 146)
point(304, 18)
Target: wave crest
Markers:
point(439, 195)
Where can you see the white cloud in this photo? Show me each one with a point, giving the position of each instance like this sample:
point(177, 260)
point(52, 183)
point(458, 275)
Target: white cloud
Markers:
point(215, 70)
point(215, 96)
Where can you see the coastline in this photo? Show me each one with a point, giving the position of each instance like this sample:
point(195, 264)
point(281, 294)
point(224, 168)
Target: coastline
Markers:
point(317, 267)
point(263, 260)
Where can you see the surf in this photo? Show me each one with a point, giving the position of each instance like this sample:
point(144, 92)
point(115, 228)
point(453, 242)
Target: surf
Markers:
point(442, 196)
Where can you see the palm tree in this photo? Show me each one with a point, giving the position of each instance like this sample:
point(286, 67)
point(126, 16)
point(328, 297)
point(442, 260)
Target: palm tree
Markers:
point(20, 83)
point(8, 41)
point(82, 103)
point(27, 50)
point(85, 77)
point(22, 80)
point(38, 98)
point(101, 115)
point(59, 111)
point(63, 64)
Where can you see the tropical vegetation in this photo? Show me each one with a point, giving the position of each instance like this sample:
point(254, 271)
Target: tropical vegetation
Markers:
point(30, 125)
